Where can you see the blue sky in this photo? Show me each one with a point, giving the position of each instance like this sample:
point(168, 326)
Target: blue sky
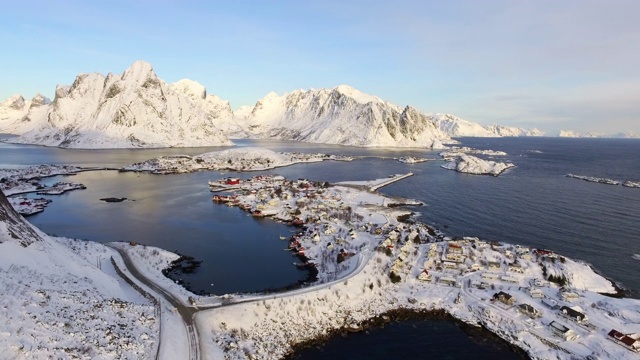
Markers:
point(546, 64)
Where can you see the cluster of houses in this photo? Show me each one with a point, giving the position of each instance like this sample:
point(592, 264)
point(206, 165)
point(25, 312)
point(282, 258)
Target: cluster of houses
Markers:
point(487, 265)
point(28, 206)
point(329, 227)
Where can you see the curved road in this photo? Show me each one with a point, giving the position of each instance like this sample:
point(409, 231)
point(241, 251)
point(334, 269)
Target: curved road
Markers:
point(186, 312)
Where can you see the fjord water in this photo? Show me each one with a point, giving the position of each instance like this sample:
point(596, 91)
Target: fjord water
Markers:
point(533, 204)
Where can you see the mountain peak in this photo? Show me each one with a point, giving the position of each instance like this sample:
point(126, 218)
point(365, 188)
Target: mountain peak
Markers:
point(15, 102)
point(139, 70)
point(190, 88)
point(355, 94)
point(39, 100)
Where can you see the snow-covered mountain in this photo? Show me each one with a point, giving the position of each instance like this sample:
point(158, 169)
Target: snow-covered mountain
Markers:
point(135, 109)
point(456, 127)
point(620, 135)
point(16, 112)
point(342, 115)
point(510, 131)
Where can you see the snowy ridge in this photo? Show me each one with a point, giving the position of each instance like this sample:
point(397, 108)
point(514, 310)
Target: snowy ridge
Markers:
point(135, 109)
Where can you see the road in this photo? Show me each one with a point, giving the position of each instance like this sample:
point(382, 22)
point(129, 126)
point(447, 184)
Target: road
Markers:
point(186, 312)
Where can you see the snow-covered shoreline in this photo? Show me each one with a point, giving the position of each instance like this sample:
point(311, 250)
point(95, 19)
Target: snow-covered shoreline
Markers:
point(235, 159)
point(25, 180)
point(593, 179)
point(458, 159)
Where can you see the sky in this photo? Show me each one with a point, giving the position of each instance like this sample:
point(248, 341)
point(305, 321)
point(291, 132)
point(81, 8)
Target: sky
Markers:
point(572, 65)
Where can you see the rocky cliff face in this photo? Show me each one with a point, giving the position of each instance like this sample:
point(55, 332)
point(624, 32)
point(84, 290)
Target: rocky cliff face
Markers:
point(135, 109)
point(13, 227)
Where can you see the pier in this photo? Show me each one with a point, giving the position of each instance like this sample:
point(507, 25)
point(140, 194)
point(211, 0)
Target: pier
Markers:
point(395, 178)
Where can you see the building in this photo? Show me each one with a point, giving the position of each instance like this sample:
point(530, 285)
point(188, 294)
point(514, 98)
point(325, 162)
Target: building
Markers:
point(568, 296)
point(536, 293)
point(572, 314)
point(516, 268)
point(630, 341)
point(510, 279)
point(455, 248)
point(504, 298)
point(529, 310)
point(448, 281)
point(450, 265)
point(550, 303)
point(424, 275)
point(493, 265)
point(489, 276)
point(562, 331)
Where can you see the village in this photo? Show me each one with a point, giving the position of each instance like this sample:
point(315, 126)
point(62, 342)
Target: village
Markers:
point(550, 296)
point(15, 182)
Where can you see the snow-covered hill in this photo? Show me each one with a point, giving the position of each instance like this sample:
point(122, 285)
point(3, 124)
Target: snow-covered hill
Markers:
point(135, 109)
point(13, 227)
point(342, 115)
point(56, 303)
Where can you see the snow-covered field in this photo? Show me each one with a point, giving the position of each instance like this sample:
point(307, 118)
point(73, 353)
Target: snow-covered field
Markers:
point(236, 159)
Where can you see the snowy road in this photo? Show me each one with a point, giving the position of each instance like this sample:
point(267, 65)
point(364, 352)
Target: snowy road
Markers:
point(186, 312)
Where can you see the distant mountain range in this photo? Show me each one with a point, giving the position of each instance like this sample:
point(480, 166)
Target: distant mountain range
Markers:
point(137, 109)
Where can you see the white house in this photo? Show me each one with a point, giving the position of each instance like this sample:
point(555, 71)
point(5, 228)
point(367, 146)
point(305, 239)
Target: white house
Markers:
point(563, 331)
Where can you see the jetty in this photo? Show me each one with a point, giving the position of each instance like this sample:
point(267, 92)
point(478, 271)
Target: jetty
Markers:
point(391, 180)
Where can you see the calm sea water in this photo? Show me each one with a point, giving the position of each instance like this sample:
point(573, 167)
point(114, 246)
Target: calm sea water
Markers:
point(533, 204)
point(413, 339)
